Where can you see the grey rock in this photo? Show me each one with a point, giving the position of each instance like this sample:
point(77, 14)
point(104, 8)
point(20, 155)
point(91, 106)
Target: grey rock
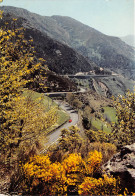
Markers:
point(122, 165)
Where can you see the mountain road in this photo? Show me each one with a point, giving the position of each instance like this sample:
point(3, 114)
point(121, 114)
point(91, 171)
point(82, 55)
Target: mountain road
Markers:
point(54, 136)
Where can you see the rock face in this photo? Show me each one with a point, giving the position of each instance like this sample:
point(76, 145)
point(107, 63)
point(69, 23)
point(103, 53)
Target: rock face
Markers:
point(123, 165)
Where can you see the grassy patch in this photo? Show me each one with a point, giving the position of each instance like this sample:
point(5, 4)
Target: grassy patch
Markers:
point(62, 117)
point(110, 114)
point(48, 103)
point(99, 125)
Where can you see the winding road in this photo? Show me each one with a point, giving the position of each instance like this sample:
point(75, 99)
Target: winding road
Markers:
point(82, 90)
point(73, 115)
point(54, 136)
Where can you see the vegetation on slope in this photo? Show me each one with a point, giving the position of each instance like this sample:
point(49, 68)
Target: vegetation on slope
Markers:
point(21, 118)
point(105, 51)
point(72, 176)
point(123, 132)
point(72, 166)
point(59, 57)
point(48, 103)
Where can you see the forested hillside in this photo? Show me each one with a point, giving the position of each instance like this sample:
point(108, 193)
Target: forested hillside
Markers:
point(105, 51)
point(82, 158)
point(61, 58)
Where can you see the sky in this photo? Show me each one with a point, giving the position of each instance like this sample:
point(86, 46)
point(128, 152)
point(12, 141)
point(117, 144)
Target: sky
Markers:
point(111, 17)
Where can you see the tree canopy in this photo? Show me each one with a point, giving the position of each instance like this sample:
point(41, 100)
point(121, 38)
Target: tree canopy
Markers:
point(20, 116)
point(123, 132)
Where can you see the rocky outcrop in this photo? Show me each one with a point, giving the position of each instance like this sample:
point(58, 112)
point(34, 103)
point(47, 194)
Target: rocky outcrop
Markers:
point(122, 165)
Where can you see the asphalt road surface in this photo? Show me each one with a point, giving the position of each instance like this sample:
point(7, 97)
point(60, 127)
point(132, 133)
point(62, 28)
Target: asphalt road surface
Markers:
point(54, 136)
point(82, 90)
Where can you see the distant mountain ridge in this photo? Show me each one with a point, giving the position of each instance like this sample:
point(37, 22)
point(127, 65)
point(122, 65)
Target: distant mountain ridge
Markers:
point(105, 51)
point(129, 39)
point(61, 58)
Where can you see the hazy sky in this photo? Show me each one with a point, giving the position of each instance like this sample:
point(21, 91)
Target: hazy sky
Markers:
point(112, 17)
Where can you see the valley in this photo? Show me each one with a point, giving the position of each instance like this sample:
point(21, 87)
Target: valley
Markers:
point(97, 48)
point(56, 44)
point(67, 105)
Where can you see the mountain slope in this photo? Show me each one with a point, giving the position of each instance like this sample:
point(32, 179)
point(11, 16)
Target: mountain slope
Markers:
point(106, 51)
point(59, 57)
point(129, 39)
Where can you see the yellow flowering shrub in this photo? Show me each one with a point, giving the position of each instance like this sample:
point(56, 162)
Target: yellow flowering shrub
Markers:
point(21, 118)
point(107, 150)
point(102, 186)
point(94, 161)
point(75, 169)
point(123, 131)
point(50, 176)
point(69, 176)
